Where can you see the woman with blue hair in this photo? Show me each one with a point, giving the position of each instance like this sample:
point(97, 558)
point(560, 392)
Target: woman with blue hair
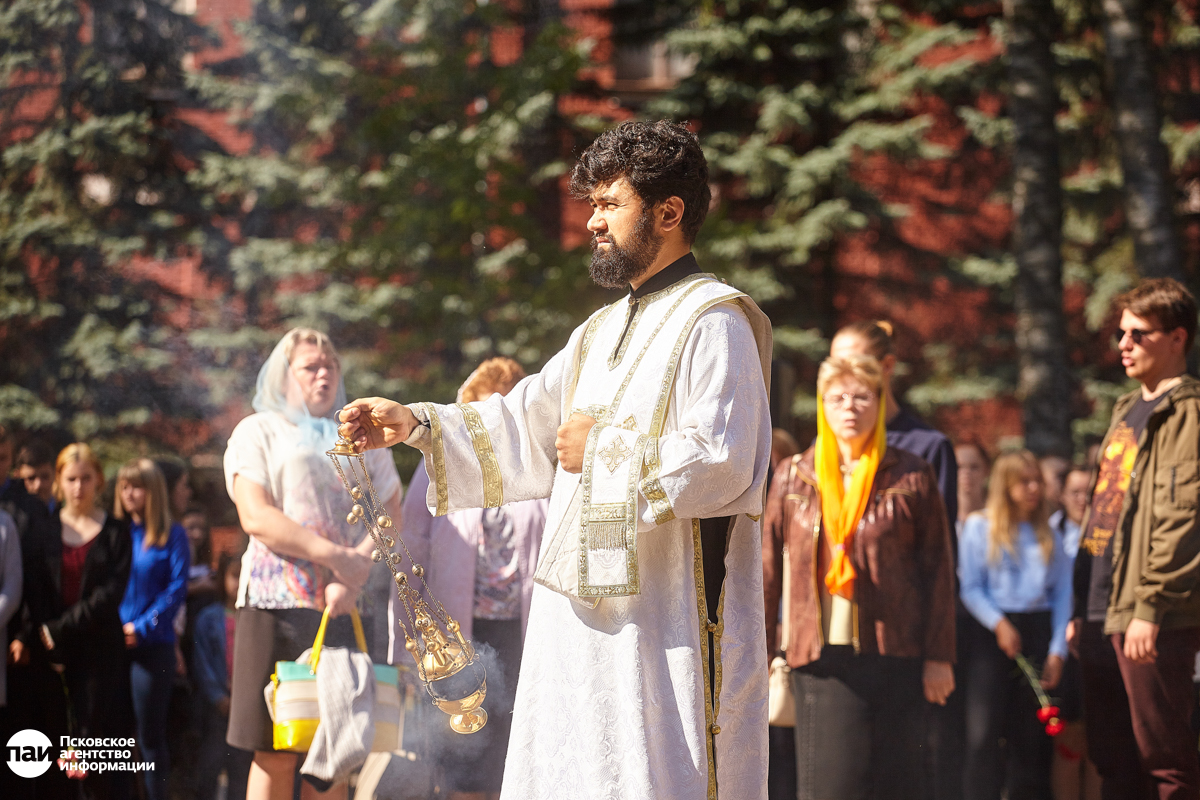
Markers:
point(303, 555)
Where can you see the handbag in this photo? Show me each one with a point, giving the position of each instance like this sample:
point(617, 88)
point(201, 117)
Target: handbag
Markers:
point(292, 697)
point(781, 706)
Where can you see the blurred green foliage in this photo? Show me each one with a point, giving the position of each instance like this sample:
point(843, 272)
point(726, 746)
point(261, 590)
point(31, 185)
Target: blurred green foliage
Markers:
point(93, 188)
point(394, 179)
point(398, 191)
point(802, 106)
point(791, 98)
point(401, 150)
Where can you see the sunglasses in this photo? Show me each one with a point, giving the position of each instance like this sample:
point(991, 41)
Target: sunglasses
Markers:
point(1135, 334)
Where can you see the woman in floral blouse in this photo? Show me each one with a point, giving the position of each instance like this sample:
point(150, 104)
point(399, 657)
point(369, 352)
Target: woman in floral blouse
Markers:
point(303, 555)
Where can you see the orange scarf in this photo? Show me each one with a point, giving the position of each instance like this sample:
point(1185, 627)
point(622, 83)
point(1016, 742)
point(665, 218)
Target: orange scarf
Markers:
point(841, 508)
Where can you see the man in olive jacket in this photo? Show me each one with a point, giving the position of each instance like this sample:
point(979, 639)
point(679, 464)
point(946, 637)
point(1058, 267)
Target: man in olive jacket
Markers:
point(1141, 546)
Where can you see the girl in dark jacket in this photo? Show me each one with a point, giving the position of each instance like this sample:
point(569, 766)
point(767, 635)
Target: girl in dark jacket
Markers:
point(74, 633)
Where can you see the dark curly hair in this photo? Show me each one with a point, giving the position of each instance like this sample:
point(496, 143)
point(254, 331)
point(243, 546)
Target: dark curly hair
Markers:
point(659, 159)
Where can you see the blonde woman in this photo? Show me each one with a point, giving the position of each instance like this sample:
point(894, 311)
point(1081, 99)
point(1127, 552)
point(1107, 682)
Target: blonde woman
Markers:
point(1016, 581)
point(73, 589)
point(871, 594)
point(153, 596)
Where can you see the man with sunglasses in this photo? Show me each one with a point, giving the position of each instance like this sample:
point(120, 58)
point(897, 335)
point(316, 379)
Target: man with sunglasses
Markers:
point(1137, 607)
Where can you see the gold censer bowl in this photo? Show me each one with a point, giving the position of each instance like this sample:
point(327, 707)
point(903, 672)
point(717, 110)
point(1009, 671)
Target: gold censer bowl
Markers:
point(454, 677)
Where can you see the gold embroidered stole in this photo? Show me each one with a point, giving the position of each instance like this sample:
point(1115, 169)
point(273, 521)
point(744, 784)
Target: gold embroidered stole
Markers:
point(598, 533)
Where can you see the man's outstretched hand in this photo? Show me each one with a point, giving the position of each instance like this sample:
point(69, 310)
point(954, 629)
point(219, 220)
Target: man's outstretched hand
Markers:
point(375, 422)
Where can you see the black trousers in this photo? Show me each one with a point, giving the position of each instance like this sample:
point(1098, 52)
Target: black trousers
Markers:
point(475, 763)
point(20, 713)
point(214, 755)
point(860, 727)
point(1006, 744)
point(948, 723)
point(781, 763)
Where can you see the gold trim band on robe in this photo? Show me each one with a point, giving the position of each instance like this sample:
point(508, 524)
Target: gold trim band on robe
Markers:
point(589, 333)
point(493, 482)
point(437, 454)
point(650, 487)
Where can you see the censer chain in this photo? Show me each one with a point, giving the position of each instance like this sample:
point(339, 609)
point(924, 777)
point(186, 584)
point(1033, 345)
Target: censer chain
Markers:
point(376, 535)
point(406, 593)
point(377, 507)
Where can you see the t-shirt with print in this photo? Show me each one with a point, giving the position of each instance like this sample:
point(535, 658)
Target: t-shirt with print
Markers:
point(1112, 484)
point(300, 480)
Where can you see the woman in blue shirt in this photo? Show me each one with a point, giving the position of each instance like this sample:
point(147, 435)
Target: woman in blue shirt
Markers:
point(156, 590)
point(1016, 581)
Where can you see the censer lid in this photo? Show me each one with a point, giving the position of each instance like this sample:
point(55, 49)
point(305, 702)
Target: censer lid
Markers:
point(344, 447)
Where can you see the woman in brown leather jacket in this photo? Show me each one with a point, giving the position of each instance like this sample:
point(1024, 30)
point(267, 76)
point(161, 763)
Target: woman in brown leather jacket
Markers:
point(862, 531)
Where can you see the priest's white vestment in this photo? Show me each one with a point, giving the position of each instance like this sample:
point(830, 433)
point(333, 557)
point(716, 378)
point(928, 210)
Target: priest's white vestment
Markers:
point(615, 696)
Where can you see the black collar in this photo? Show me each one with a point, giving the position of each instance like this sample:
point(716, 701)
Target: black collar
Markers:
point(677, 270)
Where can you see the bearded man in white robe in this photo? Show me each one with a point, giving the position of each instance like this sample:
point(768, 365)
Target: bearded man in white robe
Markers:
point(644, 672)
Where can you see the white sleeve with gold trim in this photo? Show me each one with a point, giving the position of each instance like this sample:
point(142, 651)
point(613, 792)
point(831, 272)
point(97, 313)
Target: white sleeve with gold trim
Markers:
point(712, 458)
point(500, 450)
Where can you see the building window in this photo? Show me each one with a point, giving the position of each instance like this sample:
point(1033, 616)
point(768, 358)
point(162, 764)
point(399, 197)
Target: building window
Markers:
point(650, 66)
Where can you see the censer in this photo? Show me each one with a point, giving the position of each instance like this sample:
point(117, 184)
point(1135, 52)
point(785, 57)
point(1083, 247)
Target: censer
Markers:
point(446, 662)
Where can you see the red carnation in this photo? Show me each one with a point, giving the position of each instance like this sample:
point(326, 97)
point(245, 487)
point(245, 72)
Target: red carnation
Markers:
point(1046, 713)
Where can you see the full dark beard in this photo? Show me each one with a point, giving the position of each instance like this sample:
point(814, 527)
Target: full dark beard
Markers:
point(616, 266)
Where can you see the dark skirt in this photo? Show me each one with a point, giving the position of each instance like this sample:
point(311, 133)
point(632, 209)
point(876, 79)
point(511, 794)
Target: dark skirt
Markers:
point(1008, 751)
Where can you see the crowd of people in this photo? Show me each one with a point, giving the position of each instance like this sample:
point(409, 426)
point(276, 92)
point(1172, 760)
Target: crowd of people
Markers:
point(104, 586)
point(122, 621)
point(939, 623)
point(902, 628)
point(902, 632)
point(1072, 625)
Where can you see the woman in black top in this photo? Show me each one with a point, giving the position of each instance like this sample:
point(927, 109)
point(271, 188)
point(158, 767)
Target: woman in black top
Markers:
point(73, 628)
